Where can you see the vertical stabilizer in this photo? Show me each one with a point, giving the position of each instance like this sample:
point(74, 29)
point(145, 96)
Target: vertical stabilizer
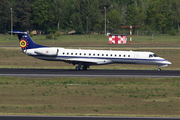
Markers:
point(25, 40)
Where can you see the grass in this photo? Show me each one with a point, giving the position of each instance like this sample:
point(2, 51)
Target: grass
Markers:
point(94, 40)
point(90, 96)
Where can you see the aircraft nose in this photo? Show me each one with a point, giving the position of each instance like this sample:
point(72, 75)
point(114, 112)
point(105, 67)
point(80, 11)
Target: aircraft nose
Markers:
point(168, 63)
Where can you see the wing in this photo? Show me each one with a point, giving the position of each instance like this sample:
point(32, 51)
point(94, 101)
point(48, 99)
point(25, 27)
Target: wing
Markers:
point(88, 60)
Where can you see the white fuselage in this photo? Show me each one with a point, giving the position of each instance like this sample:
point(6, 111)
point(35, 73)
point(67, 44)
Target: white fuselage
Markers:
point(97, 57)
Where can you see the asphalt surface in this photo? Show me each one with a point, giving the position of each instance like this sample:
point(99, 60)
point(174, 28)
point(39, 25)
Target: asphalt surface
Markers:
point(88, 73)
point(80, 118)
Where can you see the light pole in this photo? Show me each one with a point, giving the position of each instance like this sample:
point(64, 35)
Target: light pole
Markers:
point(108, 28)
point(105, 20)
point(11, 23)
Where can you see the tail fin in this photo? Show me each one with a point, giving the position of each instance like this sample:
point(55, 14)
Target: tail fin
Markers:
point(25, 41)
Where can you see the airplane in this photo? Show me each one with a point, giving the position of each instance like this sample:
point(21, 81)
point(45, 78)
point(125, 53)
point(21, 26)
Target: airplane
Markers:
point(85, 58)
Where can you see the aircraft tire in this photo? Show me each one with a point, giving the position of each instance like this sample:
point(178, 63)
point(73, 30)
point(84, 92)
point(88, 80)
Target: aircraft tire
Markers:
point(84, 67)
point(77, 68)
point(159, 69)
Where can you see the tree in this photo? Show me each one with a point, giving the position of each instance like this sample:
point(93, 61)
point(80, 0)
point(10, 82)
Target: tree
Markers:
point(99, 26)
point(174, 10)
point(62, 10)
point(131, 14)
point(114, 20)
point(22, 14)
point(158, 16)
point(5, 17)
point(122, 2)
point(42, 18)
point(85, 16)
point(140, 18)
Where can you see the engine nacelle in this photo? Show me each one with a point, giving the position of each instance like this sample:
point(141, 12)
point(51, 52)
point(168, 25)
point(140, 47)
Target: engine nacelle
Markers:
point(47, 51)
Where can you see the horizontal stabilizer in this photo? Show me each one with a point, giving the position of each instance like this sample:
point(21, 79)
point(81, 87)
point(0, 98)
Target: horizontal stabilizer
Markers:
point(17, 32)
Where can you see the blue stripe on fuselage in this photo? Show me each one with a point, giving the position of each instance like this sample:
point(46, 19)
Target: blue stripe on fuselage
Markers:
point(107, 58)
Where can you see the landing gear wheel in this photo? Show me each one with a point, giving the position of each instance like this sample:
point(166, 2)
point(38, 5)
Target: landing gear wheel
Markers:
point(77, 68)
point(159, 69)
point(84, 67)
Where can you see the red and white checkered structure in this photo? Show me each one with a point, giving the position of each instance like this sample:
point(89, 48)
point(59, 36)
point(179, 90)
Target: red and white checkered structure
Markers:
point(117, 39)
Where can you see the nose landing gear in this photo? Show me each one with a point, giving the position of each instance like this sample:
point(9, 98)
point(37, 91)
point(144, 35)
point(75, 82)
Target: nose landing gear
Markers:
point(159, 69)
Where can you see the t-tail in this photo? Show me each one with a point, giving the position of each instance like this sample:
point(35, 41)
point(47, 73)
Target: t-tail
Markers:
point(25, 41)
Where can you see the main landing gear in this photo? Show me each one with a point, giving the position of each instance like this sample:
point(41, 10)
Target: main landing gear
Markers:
point(79, 67)
point(84, 68)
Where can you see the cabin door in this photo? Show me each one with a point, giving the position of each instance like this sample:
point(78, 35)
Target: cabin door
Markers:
point(136, 58)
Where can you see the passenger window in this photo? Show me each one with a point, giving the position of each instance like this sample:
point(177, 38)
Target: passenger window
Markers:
point(111, 54)
point(128, 55)
point(67, 53)
point(71, 53)
point(115, 55)
point(79, 53)
point(106, 54)
point(102, 54)
point(89, 54)
point(124, 55)
point(98, 54)
point(84, 53)
point(119, 55)
point(76, 54)
point(63, 53)
point(93, 54)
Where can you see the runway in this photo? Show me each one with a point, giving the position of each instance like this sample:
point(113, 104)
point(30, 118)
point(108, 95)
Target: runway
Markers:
point(88, 73)
point(81, 118)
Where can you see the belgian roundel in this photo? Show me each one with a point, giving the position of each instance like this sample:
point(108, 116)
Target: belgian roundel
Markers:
point(23, 43)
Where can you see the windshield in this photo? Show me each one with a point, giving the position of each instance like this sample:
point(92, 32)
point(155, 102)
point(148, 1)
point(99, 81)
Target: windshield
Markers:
point(155, 55)
point(152, 55)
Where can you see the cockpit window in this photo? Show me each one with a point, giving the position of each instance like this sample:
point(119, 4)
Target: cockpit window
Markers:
point(150, 55)
point(155, 55)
